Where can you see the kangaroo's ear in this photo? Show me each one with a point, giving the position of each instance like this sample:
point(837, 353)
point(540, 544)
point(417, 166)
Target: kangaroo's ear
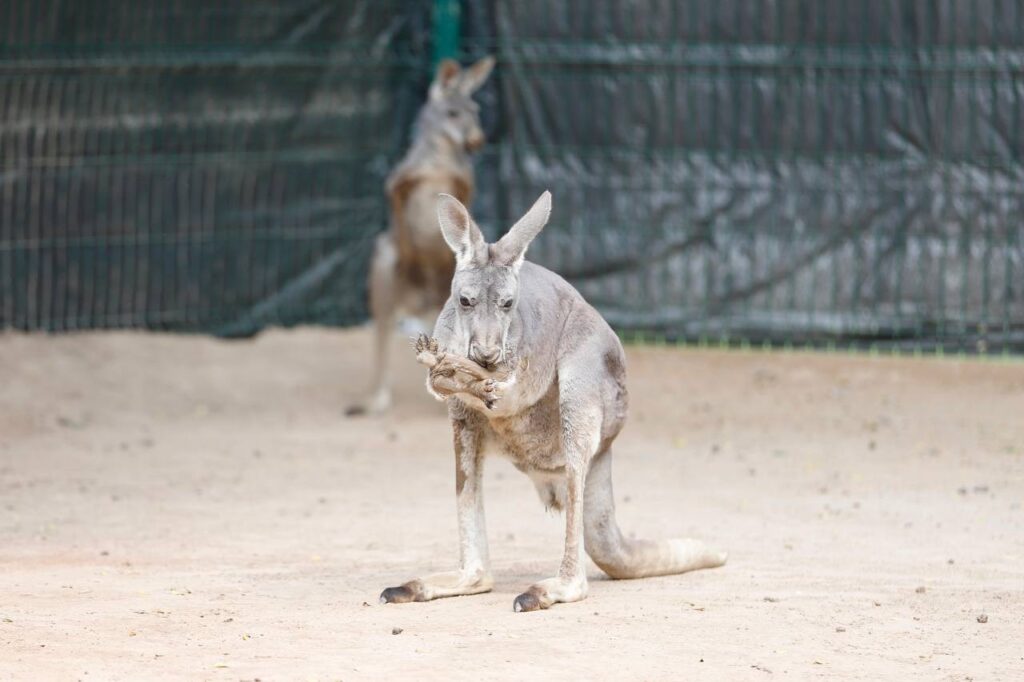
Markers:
point(461, 233)
point(511, 249)
point(448, 72)
point(476, 75)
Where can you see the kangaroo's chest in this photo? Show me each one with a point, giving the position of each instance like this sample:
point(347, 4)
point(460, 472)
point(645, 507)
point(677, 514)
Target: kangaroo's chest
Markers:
point(531, 439)
point(420, 212)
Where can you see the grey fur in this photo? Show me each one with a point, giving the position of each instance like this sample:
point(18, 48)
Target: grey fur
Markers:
point(412, 267)
point(555, 404)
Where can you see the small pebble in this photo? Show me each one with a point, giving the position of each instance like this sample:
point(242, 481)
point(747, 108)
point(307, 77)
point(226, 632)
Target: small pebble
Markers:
point(396, 631)
point(920, 590)
point(840, 629)
point(983, 618)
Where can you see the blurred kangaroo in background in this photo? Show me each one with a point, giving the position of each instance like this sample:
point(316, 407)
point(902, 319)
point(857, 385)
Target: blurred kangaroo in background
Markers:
point(531, 371)
point(411, 270)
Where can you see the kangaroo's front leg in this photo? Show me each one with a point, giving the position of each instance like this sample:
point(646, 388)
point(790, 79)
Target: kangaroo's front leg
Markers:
point(473, 576)
point(451, 374)
point(580, 439)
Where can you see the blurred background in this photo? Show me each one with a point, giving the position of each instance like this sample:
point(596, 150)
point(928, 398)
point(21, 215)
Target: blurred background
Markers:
point(726, 173)
point(783, 172)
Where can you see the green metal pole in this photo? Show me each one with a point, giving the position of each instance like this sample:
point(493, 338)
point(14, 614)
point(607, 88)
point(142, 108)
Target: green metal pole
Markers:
point(447, 14)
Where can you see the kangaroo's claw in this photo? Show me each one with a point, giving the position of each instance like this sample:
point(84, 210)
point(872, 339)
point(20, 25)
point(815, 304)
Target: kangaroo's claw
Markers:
point(424, 343)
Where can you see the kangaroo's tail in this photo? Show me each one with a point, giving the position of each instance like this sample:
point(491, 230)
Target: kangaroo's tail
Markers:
point(621, 557)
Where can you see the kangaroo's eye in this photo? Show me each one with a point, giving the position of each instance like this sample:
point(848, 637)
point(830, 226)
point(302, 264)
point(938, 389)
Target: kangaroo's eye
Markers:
point(507, 305)
point(465, 302)
point(453, 113)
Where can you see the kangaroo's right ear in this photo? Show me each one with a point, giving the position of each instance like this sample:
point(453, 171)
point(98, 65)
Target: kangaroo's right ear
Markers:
point(475, 76)
point(448, 72)
point(511, 249)
point(461, 233)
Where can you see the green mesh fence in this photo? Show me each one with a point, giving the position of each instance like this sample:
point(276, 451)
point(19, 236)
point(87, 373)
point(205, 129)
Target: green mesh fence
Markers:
point(788, 171)
point(192, 165)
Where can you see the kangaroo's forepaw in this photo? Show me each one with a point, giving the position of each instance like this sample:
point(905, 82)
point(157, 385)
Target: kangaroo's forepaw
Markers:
point(489, 392)
point(425, 343)
point(493, 390)
point(410, 591)
point(426, 350)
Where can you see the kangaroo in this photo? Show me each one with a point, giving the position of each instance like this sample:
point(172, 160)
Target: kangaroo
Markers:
point(531, 371)
point(411, 268)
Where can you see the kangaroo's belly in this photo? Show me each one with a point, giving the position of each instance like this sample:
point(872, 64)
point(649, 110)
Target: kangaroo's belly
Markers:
point(420, 217)
point(425, 262)
point(531, 439)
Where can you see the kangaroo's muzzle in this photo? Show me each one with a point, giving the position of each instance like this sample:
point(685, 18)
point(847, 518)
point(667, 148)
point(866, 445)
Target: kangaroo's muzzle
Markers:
point(475, 141)
point(487, 357)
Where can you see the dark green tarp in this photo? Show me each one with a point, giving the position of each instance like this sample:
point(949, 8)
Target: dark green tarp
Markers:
point(787, 171)
point(791, 171)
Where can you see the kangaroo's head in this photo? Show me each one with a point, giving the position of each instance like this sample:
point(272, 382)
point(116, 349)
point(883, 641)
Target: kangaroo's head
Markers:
point(450, 110)
point(485, 288)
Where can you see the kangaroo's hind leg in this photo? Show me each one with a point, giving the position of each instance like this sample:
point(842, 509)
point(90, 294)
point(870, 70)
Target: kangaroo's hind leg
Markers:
point(384, 295)
point(473, 575)
point(581, 436)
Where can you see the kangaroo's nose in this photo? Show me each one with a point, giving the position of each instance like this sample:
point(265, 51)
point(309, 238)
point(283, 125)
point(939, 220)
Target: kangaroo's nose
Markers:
point(475, 141)
point(485, 356)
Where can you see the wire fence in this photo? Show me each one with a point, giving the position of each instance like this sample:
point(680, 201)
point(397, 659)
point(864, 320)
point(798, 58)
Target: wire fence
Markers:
point(195, 165)
point(789, 171)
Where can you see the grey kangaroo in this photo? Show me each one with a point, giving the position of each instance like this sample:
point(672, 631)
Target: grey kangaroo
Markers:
point(411, 270)
point(531, 371)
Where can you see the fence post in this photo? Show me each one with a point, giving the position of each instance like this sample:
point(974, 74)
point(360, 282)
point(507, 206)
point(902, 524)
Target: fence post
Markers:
point(447, 14)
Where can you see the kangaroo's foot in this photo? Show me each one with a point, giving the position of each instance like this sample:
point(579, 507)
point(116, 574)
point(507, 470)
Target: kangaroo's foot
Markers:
point(379, 403)
point(551, 591)
point(450, 584)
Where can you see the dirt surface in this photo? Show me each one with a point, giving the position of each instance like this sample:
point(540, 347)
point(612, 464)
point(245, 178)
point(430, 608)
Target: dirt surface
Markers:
point(185, 508)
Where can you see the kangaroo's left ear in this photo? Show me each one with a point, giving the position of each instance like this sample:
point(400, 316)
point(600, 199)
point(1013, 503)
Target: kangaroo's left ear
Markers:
point(461, 233)
point(475, 76)
point(448, 74)
point(511, 249)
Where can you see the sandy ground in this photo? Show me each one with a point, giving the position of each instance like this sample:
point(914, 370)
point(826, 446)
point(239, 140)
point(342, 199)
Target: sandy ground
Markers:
point(185, 508)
